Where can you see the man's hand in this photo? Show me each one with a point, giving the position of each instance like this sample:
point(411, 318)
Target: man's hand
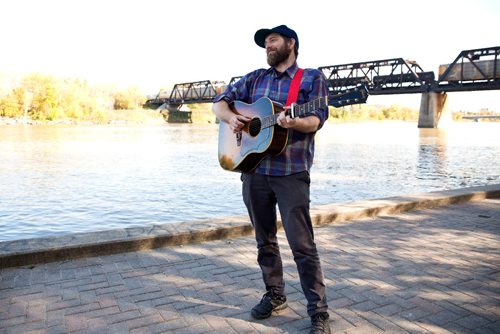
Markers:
point(238, 122)
point(225, 114)
point(286, 121)
point(303, 124)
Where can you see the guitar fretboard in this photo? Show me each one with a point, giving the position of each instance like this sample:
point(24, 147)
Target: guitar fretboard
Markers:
point(345, 97)
point(298, 110)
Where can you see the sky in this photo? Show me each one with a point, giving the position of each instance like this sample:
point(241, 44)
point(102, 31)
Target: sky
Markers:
point(154, 44)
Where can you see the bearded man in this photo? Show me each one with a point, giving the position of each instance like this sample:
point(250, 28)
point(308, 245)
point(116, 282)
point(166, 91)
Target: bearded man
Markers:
point(282, 179)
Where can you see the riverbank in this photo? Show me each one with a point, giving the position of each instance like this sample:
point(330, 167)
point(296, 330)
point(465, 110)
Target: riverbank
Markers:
point(49, 249)
point(110, 117)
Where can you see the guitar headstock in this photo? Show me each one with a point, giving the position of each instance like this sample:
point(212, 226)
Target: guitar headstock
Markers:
point(346, 97)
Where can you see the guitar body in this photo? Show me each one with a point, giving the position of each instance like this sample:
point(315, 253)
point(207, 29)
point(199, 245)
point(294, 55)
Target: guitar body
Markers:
point(242, 152)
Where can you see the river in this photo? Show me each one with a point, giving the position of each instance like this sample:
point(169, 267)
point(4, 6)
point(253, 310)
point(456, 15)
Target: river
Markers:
point(57, 179)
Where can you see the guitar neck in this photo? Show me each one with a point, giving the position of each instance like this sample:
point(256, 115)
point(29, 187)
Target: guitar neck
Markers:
point(342, 98)
point(302, 109)
point(296, 111)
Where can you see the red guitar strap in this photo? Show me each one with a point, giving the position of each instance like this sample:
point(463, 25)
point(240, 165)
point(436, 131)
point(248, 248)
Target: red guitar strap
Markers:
point(293, 93)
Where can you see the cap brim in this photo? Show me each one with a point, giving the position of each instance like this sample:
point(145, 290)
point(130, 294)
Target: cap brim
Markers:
point(260, 37)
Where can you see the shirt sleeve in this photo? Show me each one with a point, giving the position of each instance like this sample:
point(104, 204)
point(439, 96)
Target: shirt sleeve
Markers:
point(240, 90)
point(317, 89)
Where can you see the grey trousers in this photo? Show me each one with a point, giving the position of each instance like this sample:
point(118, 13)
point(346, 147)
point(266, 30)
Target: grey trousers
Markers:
point(261, 193)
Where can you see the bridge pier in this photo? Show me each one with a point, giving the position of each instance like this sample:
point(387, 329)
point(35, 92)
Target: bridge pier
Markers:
point(433, 112)
point(176, 113)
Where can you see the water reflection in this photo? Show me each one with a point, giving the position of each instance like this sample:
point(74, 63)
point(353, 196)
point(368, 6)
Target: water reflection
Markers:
point(432, 159)
point(63, 179)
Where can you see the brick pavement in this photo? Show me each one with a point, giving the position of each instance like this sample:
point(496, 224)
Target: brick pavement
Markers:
point(427, 271)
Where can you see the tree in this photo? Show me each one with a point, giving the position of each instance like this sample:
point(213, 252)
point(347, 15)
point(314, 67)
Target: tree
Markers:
point(131, 98)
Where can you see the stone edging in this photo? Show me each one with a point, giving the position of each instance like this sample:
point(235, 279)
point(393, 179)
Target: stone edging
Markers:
point(78, 245)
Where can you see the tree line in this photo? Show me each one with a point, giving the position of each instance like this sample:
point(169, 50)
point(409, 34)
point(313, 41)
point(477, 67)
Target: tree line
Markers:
point(363, 112)
point(45, 98)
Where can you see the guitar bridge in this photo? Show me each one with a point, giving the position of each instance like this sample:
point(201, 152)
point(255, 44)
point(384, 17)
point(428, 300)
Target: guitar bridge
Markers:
point(238, 138)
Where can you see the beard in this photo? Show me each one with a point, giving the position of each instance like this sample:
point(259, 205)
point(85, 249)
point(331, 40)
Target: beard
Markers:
point(279, 55)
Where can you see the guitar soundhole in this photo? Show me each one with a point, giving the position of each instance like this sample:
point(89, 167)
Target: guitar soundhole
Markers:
point(254, 127)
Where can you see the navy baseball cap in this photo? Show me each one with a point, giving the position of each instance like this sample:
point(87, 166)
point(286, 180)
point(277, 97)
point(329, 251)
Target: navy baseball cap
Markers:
point(261, 34)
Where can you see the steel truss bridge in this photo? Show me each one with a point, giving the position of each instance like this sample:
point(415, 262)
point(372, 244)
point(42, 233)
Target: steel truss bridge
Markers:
point(472, 70)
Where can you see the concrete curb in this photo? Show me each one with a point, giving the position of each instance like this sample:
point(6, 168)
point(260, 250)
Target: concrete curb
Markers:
point(78, 245)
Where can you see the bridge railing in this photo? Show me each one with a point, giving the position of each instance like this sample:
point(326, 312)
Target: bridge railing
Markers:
point(189, 92)
point(194, 92)
point(387, 76)
point(477, 68)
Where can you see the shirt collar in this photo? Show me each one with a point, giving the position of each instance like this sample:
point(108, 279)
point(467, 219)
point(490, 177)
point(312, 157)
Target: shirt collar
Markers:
point(289, 71)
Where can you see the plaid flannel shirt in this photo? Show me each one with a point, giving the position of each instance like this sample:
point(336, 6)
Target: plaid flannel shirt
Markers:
point(298, 154)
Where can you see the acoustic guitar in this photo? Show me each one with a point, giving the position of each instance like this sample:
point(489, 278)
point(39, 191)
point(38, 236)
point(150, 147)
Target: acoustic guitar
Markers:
point(262, 136)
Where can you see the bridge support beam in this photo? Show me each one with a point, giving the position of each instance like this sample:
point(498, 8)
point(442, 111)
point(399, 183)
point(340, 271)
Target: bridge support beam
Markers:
point(433, 112)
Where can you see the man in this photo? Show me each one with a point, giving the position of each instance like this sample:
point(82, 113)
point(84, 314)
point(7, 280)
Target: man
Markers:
point(282, 179)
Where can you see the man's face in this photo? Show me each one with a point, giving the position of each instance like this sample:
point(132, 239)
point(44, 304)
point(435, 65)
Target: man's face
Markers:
point(277, 49)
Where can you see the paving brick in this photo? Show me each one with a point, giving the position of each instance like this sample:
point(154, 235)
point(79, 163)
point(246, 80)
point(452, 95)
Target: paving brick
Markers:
point(442, 318)
point(364, 306)
point(172, 326)
point(217, 324)
point(63, 304)
point(141, 330)
point(388, 310)
point(364, 327)
point(13, 321)
point(144, 321)
point(36, 313)
point(75, 322)
point(123, 316)
point(382, 323)
point(411, 326)
point(55, 318)
point(435, 329)
point(472, 321)
point(59, 329)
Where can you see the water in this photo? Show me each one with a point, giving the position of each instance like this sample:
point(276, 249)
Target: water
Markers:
point(61, 179)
